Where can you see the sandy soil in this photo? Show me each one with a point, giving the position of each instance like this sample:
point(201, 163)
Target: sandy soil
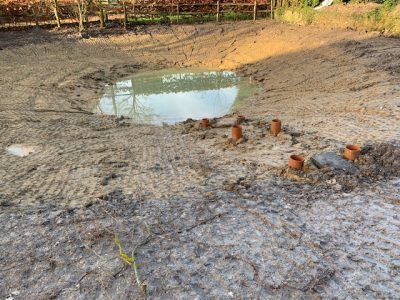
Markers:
point(204, 219)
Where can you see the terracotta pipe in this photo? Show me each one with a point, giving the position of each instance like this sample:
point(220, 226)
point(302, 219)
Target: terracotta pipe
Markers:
point(236, 132)
point(296, 162)
point(204, 123)
point(351, 152)
point(276, 126)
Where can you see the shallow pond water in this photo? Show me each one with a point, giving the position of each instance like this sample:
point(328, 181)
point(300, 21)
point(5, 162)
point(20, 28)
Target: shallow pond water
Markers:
point(172, 96)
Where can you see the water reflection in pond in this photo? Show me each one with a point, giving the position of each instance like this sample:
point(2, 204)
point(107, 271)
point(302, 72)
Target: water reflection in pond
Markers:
point(173, 96)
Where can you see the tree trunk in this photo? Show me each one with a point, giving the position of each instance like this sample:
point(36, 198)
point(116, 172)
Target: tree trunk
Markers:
point(81, 15)
point(56, 14)
point(36, 14)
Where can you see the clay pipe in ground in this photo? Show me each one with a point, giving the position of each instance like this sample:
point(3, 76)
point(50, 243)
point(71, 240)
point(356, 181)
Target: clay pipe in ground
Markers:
point(236, 132)
point(296, 162)
point(276, 126)
point(204, 123)
point(351, 152)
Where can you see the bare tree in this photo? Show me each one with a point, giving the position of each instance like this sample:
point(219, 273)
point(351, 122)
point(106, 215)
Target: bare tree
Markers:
point(54, 7)
point(100, 6)
point(37, 10)
point(82, 9)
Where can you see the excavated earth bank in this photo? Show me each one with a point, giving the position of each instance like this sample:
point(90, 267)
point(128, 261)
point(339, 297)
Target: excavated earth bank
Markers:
point(203, 218)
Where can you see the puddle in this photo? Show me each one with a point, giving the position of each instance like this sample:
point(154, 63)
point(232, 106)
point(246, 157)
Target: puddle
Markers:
point(172, 96)
point(20, 150)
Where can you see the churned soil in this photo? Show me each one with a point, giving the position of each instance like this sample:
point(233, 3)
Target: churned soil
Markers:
point(201, 216)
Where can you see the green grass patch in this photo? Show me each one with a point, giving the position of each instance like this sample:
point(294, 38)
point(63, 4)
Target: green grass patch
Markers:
point(189, 18)
point(384, 18)
point(297, 15)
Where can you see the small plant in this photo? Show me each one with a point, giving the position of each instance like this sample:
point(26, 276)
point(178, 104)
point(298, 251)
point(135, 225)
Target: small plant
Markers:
point(390, 4)
point(130, 260)
point(308, 15)
point(309, 3)
point(125, 257)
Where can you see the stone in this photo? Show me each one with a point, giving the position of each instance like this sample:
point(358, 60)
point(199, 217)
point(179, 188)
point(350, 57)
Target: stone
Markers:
point(334, 161)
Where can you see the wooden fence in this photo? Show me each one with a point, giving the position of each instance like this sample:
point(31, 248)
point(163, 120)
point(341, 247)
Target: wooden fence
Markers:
point(173, 12)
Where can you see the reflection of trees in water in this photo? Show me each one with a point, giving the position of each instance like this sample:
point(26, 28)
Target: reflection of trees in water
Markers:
point(184, 82)
point(125, 102)
point(127, 96)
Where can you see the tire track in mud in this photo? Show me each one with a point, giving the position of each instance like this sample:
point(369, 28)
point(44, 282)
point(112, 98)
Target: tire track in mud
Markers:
point(372, 223)
point(204, 36)
point(160, 158)
point(48, 178)
point(233, 252)
point(281, 242)
point(224, 237)
point(164, 167)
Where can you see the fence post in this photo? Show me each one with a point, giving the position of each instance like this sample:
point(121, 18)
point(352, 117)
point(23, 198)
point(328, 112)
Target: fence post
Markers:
point(177, 10)
point(218, 10)
point(255, 10)
point(125, 13)
point(272, 8)
point(102, 23)
point(171, 12)
point(134, 10)
point(36, 13)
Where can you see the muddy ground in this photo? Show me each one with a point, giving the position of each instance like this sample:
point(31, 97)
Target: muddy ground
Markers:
point(203, 219)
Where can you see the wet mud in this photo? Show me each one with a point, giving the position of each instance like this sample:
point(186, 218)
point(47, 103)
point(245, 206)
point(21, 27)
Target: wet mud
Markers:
point(201, 216)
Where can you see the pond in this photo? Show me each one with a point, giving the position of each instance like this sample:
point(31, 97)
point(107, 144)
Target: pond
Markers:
point(172, 96)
